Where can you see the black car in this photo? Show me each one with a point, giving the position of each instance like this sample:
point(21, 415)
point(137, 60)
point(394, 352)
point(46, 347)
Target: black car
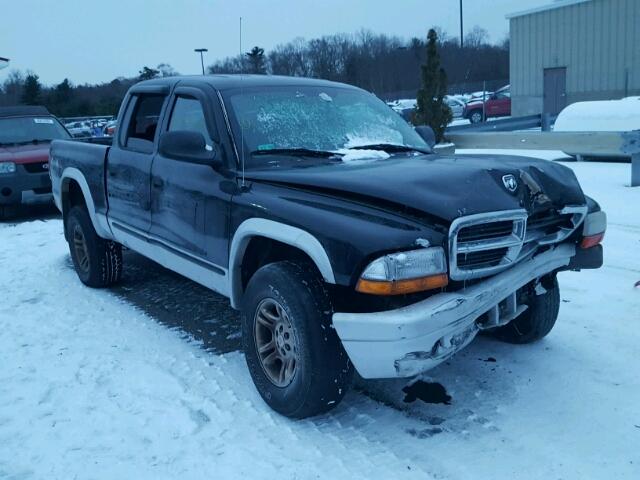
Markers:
point(329, 223)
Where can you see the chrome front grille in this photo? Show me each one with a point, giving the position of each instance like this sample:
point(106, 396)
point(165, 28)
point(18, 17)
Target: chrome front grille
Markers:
point(484, 244)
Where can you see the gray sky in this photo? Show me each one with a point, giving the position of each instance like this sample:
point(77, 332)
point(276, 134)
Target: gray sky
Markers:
point(98, 40)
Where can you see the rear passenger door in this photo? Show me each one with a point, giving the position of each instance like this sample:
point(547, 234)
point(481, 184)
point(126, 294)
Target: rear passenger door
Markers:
point(190, 210)
point(129, 161)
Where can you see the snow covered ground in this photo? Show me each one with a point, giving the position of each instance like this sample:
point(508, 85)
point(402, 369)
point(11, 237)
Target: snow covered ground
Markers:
point(92, 387)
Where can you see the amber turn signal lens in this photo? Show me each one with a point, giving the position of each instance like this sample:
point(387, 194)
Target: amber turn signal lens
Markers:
point(401, 287)
point(592, 241)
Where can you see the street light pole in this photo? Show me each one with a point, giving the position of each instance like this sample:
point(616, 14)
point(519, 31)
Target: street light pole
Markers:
point(461, 27)
point(201, 52)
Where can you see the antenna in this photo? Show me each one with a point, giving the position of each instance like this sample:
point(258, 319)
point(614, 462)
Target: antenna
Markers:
point(241, 95)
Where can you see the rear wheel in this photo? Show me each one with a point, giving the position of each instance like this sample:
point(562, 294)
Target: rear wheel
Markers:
point(98, 262)
point(294, 355)
point(539, 317)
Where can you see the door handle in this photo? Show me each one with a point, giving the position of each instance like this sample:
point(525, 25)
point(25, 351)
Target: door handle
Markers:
point(157, 182)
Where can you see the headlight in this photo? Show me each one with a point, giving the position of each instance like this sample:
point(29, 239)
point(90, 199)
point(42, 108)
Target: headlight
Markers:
point(7, 167)
point(405, 272)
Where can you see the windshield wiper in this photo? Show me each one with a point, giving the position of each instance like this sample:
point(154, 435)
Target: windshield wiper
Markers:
point(391, 147)
point(296, 152)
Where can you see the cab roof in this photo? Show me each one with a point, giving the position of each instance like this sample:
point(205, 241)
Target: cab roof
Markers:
point(232, 81)
point(24, 111)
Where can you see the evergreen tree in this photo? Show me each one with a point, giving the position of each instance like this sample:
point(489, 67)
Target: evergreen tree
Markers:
point(166, 70)
point(257, 61)
point(431, 109)
point(63, 93)
point(32, 90)
point(147, 73)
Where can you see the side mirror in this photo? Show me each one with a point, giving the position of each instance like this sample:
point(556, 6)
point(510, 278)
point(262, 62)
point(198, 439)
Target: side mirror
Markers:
point(188, 146)
point(427, 134)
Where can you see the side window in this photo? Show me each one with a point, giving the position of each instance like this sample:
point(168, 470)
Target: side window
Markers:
point(188, 115)
point(143, 122)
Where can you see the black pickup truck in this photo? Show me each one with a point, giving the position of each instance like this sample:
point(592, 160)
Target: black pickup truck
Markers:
point(329, 223)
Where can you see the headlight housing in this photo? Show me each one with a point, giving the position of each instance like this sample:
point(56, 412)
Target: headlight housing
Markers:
point(595, 225)
point(7, 167)
point(405, 272)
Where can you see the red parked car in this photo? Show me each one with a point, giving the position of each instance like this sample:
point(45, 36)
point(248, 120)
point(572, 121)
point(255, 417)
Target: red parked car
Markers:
point(25, 137)
point(498, 104)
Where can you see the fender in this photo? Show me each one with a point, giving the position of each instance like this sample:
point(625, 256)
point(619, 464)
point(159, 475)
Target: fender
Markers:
point(260, 227)
point(99, 221)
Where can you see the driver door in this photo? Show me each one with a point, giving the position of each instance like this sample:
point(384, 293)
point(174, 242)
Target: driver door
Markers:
point(190, 212)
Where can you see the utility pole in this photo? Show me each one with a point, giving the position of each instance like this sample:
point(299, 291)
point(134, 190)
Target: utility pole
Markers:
point(461, 27)
point(4, 62)
point(201, 52)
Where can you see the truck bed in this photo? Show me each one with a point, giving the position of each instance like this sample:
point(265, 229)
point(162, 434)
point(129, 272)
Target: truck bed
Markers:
point(87, 157)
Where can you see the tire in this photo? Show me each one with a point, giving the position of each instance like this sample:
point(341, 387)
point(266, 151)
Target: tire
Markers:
point(321, 373)
point(476, 116)
point(98, 262)
point(537, 320)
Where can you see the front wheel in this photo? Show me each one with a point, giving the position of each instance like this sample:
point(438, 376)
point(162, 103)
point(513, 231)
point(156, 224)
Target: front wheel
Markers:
point(539, 317)
point(476, 116)
point(294, 355)
point(98, 262)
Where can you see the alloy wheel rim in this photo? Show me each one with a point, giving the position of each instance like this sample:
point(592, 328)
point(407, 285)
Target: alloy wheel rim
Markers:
point(80, 247)
point(276, 342)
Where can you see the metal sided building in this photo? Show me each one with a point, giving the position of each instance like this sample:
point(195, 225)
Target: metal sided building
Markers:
point(571, 51)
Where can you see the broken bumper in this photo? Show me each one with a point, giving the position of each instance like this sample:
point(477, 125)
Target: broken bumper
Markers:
point(416, 338)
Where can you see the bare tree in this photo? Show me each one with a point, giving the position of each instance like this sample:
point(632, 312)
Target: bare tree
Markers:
point(477, 37)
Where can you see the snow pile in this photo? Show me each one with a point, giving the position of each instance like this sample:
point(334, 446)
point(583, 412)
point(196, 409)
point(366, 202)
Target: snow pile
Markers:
point(601, 116)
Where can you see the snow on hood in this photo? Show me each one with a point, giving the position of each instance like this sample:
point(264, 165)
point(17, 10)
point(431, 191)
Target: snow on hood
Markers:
point(601, 116)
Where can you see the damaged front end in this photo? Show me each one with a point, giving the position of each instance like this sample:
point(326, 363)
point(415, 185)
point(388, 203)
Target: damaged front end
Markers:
point(410, 340)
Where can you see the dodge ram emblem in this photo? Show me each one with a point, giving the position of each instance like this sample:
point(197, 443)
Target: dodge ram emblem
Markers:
point(510, 182)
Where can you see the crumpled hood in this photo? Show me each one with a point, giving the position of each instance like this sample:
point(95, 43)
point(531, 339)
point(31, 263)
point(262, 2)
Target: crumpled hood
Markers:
point(25, 153)
point(444, 186)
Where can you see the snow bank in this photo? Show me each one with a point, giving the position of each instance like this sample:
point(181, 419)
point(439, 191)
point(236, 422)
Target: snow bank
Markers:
point(601, 116)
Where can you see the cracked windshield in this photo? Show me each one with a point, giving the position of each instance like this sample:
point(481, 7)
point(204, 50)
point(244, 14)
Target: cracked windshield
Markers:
point(319, 120)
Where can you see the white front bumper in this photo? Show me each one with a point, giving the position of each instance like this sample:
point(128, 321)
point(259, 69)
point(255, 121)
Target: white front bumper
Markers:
point(416, 338)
